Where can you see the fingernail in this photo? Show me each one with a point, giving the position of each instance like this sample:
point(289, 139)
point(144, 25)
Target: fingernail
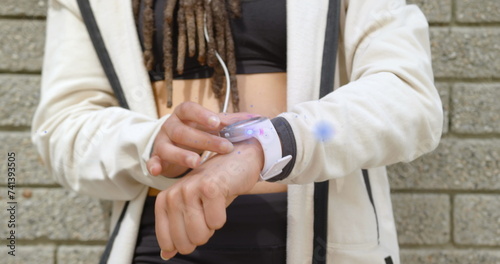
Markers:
point(162, 253)
point(214, 121)
point(192, 161)
point(227, 147)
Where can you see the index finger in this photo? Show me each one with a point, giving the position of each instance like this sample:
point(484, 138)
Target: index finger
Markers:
point(162, 226)
point(193, 112)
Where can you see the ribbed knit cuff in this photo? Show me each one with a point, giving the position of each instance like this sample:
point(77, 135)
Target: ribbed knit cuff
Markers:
point(288, 146)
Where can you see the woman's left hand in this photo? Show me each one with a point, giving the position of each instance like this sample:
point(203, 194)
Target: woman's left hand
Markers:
point(188, 213)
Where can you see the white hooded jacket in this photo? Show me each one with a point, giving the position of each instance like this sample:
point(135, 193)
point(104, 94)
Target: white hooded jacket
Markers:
point(385, 109)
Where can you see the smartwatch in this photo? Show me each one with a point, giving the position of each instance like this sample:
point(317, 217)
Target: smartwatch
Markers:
point(263, 130)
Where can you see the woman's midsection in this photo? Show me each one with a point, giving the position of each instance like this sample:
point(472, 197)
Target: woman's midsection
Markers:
point(263, 94)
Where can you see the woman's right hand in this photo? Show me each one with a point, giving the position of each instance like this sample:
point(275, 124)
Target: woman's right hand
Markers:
point(188, 212)
point(188, 131)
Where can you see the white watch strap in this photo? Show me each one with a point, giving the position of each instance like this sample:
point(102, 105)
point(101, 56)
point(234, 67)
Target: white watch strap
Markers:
point(275, 169)
point(271, 145)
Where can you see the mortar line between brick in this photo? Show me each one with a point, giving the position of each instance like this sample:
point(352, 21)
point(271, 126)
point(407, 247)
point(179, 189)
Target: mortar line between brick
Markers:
point(56, 251)
point(453, 18)
point(477, 24)
point(22, 17)
point(450, 107)
point(452, 219)
point(8, 129)
point(60, 242)
point(439, 24)
point(8, 71)
point(457, 24)
point(20, 73)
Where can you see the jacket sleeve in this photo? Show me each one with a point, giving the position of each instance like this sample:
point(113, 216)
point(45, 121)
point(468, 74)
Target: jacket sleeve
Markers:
point(87, 142)
point(389, 111)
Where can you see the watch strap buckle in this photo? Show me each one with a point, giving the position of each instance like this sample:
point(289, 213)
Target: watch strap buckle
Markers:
point(275, 169)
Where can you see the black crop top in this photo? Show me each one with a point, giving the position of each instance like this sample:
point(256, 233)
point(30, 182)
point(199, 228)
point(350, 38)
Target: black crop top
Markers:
point(259, 37)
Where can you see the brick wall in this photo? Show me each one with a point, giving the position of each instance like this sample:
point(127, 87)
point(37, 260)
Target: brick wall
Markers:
point(53, 225)
point(447, 203)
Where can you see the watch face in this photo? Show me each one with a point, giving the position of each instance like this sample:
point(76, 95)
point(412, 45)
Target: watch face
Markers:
point(241, 130)
point(243, 123)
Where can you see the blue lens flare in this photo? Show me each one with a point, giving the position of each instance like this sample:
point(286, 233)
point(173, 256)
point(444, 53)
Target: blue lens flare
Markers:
point(323, 131)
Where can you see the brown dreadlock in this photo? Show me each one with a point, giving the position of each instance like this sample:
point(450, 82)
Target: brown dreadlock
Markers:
point(191, 17)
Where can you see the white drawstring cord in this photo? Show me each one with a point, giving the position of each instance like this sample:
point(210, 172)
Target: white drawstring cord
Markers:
point(208, 154)
point(224, 67)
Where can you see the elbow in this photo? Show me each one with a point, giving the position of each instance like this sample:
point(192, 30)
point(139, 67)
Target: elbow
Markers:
point(431, 125)
point(435, 119)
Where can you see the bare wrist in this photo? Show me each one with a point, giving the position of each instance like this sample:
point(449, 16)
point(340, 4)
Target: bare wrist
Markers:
point(254, 149)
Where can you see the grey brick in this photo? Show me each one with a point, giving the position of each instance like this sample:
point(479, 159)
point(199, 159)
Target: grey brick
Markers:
point(466, 52)
point(23, 8)
point(457, 164)
point(79, 254)
point(422, 219)
point(450, 256)
point(19, 95)
point(57, 214)
point(475, 108)
point(435, 10)
point(29, 254)
point(29, 168)
point(478, 11)
point(477, 220)
point(21, 45)
point(444, 93)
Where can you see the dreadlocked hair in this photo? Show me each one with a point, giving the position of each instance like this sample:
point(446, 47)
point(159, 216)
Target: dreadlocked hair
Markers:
point(191, 18)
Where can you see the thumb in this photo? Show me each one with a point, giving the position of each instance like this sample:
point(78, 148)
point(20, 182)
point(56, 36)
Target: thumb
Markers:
point(154, 165)
point(165, 255)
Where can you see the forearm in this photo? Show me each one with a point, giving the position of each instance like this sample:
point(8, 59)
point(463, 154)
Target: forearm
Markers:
point(99, 153)
point(389, 111)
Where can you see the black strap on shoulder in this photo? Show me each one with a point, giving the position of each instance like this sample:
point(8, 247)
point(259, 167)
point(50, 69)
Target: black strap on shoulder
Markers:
point(102, 52)
point(107, 65)
point(330, 48)
point(326, 86)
